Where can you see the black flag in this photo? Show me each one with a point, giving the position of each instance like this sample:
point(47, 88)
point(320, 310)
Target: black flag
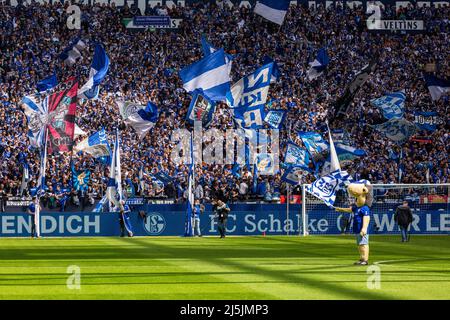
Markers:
point(342, 104)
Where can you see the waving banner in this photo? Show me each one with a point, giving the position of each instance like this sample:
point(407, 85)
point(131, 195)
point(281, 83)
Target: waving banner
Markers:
point(398, 130)
point(62, 107)
point(57, 114)
point(427, 120)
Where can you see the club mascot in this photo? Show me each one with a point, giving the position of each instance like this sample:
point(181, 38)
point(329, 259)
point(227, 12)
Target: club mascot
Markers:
point(363, 193)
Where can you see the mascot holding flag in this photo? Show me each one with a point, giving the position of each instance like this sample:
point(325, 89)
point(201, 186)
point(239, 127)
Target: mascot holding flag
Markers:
point(362, 191)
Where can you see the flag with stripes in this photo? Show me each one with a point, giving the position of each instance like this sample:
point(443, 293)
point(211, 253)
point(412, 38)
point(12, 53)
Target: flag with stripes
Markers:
point(209, 74)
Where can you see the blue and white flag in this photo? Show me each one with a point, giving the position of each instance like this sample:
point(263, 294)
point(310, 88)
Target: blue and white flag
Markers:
point(275, 118)
point(319, 65)
point(248, 97)
point(265, 164)
point(47, 83)
point(325, 187)
point(114, 187)
point(272, 10)
point(297, 156)
point(99, 70)
point(141, 118)
point(398, 130)
point(72, 53)
point(436, 86)
point(96, 145)
point(209, 49)
point(294, 174)
point(392, 105)
point(36, 114)
point(201, 109)
point(209, 74)
point(427, 120)
point(316, 146)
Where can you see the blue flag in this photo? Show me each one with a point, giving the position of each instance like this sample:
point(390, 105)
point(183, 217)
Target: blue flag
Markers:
point(275, 118)
point(248, 97)
point(72, 53)
point(141, 118)
point(325, 187)
point(96, 145)
point(392, 105)
point(47, 83)
point(319, 65)
point(80, 179)
point(99, 70)
point(436, 86)
point(294, 174)
point(272, 10)
point(209, 74)
point(398, 130)
point(315, 144)
point(297, 156)
point(427, 120)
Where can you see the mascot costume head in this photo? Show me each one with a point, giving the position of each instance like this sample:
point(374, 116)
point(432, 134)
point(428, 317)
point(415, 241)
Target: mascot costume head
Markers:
point(362, 191)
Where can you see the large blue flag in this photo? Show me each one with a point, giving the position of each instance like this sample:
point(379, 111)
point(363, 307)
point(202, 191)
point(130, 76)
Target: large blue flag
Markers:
point(96, 145)
point(209, 74)
point(272, 10)
point(319, 65)
point(141, 118)
point(392, 105)
point(248, 97)
point(201, 109)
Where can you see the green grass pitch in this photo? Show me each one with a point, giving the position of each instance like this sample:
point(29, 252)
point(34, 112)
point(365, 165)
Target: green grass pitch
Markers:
point(281, 267)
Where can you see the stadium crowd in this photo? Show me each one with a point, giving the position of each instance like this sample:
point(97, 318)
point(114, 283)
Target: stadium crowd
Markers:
point(145, 64)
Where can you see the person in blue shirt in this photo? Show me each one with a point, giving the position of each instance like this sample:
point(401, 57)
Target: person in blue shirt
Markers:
point(361, 218)
point(32, 211)
point(198, 210)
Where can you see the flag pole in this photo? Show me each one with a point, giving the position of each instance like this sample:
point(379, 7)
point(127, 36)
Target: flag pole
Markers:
point(288, 191)
point(37, 215)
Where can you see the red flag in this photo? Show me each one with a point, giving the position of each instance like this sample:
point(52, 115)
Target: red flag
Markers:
point(62, 107)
